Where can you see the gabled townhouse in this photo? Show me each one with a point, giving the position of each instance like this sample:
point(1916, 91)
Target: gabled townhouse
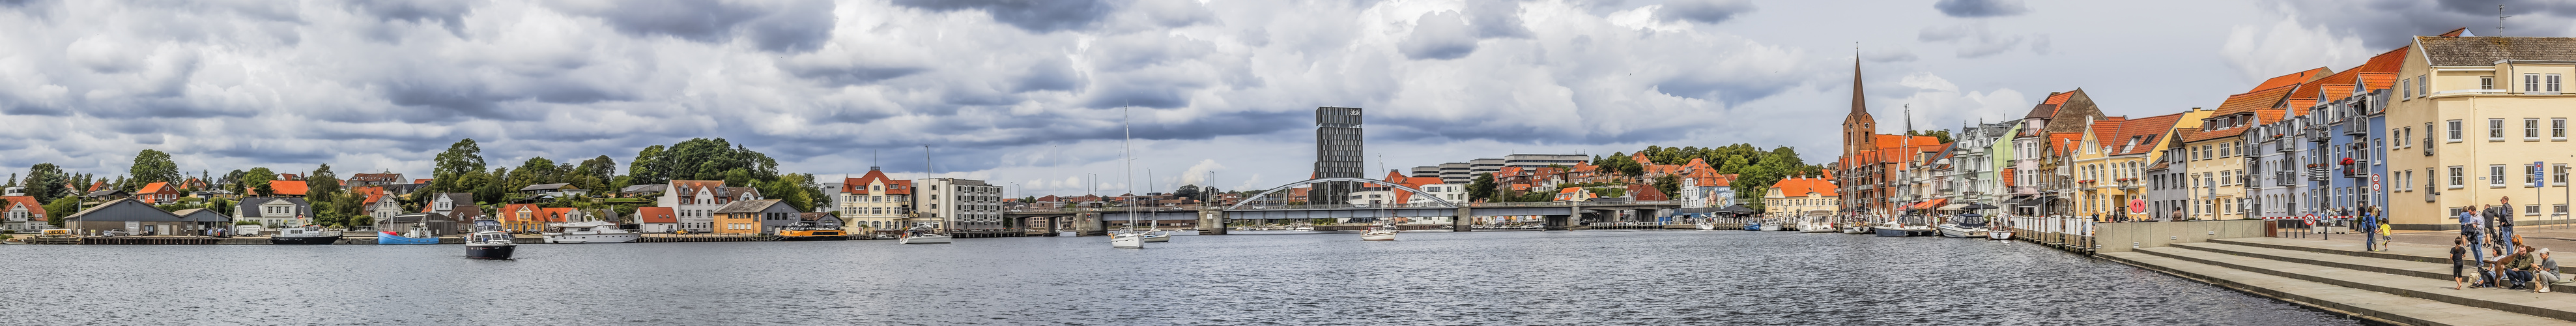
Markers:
point(1703, 187)
point(2219, 154)
point(376, 203)
point(2060, 113)
point(874, 201)
point(697, 200)
point(374, 180)
point(2170, 180)
point(656, 220)
point(459, 206)
point(22, 214)
point(2113, 175)
point(274, 212)
point(1801, 196)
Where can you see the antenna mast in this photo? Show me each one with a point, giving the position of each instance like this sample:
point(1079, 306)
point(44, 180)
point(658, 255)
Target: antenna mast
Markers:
point(2500, 20)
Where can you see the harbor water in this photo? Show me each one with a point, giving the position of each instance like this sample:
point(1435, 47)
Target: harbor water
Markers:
point(1646, 277)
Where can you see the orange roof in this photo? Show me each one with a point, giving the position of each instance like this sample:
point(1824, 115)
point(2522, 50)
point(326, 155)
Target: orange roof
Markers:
point(2106, 129)
point(656, 215)
point(2063, 143)
point(156, 187)
point(287, 188)
point(2144, 130)
point(1800, 187)
point(893, 187)
point(2294, 78)
point(510, 213)
point(2376, 80)
point(554, 215)
point(421, 181)
point(102, 184)
point(9, 203)
point(2268, 98)
point(373, 194)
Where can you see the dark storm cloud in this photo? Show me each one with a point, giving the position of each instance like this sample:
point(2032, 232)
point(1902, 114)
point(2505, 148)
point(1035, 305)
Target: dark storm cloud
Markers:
point(778, 26)
point(1703, 11)
point(837, 75)
point(1439, 36)
point(1980, 8)
point(1032, 15)
point(2388, 24)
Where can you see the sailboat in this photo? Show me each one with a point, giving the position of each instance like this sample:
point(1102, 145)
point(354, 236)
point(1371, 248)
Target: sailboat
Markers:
point(1127, 237)
point(1381, 232)
point(1158, 236)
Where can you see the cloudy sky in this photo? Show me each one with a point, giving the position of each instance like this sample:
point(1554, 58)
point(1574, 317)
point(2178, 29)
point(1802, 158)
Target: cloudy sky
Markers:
point(1033, 93)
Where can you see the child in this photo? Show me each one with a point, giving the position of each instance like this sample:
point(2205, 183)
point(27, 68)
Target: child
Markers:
point(2459, 247)
point(2384, 233)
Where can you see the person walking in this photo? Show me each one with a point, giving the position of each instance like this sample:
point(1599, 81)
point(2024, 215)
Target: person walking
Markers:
point(2459, 247)
point(2369, 231)
point(2469, 225)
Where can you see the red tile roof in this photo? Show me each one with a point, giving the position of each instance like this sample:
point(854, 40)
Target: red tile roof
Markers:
point(893, 187)
point(656, 215)
point(2145, 130)
point(2294, 79)
point(510, 213)
point(373, 194)
point(8, 203)
point(1800, 187)
point(2063, 143)
point(157, 188)
point(287, 188)
point(554, 215)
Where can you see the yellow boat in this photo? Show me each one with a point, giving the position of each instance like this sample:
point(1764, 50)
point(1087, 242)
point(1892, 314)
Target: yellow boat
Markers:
point(809, 232)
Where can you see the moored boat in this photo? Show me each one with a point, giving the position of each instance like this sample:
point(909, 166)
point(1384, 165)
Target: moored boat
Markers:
point(1380, 233)
point(389, 238)
point(1158, 236)
point(305, 235)
point(1957, 231)
point(1856, 229)
point(488, 242)
point(1707, 226)
point(1127, 238)
point(922, 237)
point(590, 232)
point(808, 231)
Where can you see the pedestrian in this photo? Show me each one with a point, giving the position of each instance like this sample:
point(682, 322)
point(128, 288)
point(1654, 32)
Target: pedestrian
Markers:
point(2504, 218)
point(2369, 231)
point(2469, 224)
point(2459, 247)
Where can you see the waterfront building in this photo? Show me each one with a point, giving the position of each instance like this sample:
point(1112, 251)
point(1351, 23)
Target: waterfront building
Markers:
point(196, 221)
point(2488, 109)
point(2219, 154)
point(1457, 173)
point(455, 205)
point(1338, 153)
point(273, 211)
point(752, 217)
point(831, 196)
point(133, 217)
point(524, 217)
point(877, 203)
point(1871, 162)
point(2169, 180)
point(955, 204)
point(376, 203)
point(1972, 171)
point(1801, 196)
point(697, 200)
point(23, 214)
point(1703, 187)
point(157, 193)
point(2118, 181)
point(656, 220)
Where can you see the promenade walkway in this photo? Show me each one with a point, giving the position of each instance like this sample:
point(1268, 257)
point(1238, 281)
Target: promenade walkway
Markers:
point(2409, 284)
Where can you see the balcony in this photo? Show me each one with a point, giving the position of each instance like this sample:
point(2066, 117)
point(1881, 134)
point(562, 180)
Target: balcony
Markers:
point(2316, 172)
point(2285, 178)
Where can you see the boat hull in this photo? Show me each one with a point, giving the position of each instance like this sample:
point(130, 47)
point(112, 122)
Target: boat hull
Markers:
point(1706, 226)
point(1378, 236)
point(1856, 230)
point(303, 240)
point(1888, 232)
point(388, 239)
point(1127, 242)
point(816, 238)
point(1954, 231)
point(1999, 235)
point(1818, 228)
point(1159, 238)
point(1770, 227)
point(930, 239)
point(593, 238)
point(490, 251)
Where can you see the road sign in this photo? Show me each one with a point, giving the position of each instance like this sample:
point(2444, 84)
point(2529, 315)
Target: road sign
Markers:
point(2137, 206)
point(2374, 182)
point(2536, 180)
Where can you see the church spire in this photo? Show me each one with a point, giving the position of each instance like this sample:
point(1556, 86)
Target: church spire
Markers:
point(1859, 105)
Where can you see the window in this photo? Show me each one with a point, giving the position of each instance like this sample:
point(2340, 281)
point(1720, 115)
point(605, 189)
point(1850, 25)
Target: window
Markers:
point(2530, 82)
point(2530, 129)
point(2459, 178)
point(2531, 210)
point(2551, 82)
point(2495, 176)
point(2423, 86)
point(2486, 82)
point(2558, 174)
point(2405, 91)
point(2226, 150)
point(2557, 128)
point(2226, 178)
point(2455, 130)
point(2495, 129)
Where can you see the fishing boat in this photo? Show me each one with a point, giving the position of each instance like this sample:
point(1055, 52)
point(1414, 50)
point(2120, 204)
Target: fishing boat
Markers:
point(418, 235)
point(489, 242)
point(590, 232)
point(808, 231)
point(921, 236)
point(1158, 236)
point(1380, 233)
point(305, 235)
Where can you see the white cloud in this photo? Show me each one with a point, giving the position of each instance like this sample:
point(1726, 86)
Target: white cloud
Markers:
point(2288, 46)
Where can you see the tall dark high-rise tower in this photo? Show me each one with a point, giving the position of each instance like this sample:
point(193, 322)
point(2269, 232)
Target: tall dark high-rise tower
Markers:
point(1337, 154)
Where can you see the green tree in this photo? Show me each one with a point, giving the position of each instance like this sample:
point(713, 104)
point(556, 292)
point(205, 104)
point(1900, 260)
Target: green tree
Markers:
point(153, 166)
point(460, 159)
point(1942, 135)
point(488, 186)
point(1620, 164)
point(701, 159)
point(45, 182)
point(60, 208)
point(323, 185)
point(1482, 188)
point(256, 181)
point(1671, 185)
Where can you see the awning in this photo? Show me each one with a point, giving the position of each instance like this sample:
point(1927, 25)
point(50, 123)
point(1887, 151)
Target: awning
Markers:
point(2022, 200)
point(1929, 204)
point(1954, 207)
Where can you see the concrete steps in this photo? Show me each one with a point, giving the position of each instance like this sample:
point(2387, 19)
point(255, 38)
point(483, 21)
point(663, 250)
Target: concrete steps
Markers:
point(2406, 252)
point(2439, 272)
point(2377, 306)
point(2550, 305)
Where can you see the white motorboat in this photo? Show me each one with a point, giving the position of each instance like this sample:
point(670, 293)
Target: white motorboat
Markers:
point(921, 236)
point(590, 232)
point(1957, 231)
point(1381, 233)
point(1772, 225)
point(1818, 227)
point(1856, 229)
point(1707, 226)
point(489, 242)
point(1158, 236)
point(309, 234)
point(1999, 235)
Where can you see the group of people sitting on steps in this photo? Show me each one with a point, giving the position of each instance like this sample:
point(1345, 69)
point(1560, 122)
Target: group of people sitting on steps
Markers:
point(2488, 232)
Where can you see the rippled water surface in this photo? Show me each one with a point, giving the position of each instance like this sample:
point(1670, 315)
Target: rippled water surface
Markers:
point(1474, 278)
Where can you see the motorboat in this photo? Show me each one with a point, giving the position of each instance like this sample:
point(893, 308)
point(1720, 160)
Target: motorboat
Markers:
point(1380, 233)
point(808, 231)
point(1707, 226)
point(921, 236)
point(416, 236)
point(590, 232)
point(489, 242)
point(1773, 225)
point(1898, 228)
point(305, 235)
point(1818, 227)
point(11, 241)
point(1965, 226)
point(1999, 234)
point(1856, 229)
point(1127, 238)
point(1158, 236)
